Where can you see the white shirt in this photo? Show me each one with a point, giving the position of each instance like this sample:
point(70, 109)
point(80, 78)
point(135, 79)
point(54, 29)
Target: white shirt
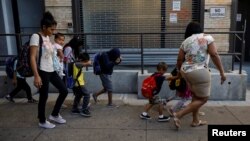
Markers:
point(196, 54)
point(46, 63)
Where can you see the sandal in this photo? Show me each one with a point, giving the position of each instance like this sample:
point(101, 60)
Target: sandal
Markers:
point(170, 111)
point(200, 123)
point(177, 121)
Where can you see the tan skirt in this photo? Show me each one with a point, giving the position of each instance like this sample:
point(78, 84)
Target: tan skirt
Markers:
point(199, 81)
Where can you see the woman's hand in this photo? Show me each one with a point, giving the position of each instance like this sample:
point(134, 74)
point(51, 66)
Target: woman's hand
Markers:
point(223, 78)
point(38, 82)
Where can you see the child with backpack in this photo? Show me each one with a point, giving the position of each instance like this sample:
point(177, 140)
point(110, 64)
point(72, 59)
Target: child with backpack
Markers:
point(71, 52)
point(106, 62)
point(79, 88)
point(154, 98)
point(20, 83)
point(182, 91)
point(58, 54)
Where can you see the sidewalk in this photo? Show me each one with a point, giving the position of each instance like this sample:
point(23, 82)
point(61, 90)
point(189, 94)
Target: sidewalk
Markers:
point(18, 121)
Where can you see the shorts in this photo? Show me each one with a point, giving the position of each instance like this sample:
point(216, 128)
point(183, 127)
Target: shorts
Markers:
point(106, 82)
point(155, 100)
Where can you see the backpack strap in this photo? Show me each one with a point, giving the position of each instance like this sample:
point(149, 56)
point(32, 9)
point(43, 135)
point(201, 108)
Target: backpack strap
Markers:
point(77, 76)
point(40, 49)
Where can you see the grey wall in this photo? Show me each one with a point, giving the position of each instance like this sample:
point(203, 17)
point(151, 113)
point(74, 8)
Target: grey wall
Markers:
point(129, 82)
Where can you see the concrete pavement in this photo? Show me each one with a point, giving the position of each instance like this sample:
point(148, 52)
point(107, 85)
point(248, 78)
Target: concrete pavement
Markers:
point(18, 121)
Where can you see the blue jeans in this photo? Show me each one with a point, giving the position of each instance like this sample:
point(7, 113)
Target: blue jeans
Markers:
point(79, 92)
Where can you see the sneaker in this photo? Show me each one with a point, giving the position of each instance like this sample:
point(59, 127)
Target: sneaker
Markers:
point(164, 118)
point(145, 117)
point(32, 101)
point(112, 106)
point(47, 125)
point(57, 119)
point(95, 98)
point(75, 111)
point(10, 99)
point(85, 113)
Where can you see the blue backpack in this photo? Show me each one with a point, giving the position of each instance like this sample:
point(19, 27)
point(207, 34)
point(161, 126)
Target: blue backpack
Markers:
point(96, 64)
point(9, 66)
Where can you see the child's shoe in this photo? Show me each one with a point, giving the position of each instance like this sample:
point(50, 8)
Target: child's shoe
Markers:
point(75, 111)
point(85, 113)
point(163, 119)
point(10, 99)
point(145, 116)
point(112, 106)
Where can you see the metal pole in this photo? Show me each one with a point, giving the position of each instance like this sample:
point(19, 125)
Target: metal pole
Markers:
point(243, 48)
point(85, 47)
point(233, 51)
point(142, 62)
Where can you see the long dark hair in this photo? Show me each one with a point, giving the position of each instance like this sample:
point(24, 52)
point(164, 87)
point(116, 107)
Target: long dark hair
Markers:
point(47, 20)
point(193, 28)
point(75, 43)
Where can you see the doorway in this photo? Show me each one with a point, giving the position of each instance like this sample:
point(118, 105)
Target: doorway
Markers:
point(242, 16)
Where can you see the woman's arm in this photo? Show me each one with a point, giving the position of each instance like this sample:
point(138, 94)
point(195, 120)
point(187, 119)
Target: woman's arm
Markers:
point(180, 60)
point(33, 56)
point(216, 60)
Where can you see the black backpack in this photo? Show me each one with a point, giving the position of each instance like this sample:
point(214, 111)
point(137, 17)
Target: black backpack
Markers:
point(23, 63)
point(179, 84)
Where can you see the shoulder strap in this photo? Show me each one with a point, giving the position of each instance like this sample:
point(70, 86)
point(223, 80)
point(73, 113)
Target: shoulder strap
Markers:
point(40, 48)
point(77, 76)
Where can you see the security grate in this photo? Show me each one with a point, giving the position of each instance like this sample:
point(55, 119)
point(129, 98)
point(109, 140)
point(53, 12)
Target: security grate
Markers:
point(140, 16)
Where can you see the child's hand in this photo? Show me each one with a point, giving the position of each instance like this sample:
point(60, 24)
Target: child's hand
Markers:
point(118, 60)
point(87, 63)
point(171, 78)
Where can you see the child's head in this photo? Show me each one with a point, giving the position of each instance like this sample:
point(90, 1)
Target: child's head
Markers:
point(162, 67)
point(59, 38)
point(83, 57)
point(114, 53)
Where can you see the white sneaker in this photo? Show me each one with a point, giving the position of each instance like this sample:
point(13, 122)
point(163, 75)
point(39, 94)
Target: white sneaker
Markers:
point(47, 125)
point(57, 119)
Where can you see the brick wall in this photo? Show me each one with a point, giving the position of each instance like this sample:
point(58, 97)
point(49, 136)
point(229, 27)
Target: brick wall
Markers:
point(62, 11)
point(218, 24)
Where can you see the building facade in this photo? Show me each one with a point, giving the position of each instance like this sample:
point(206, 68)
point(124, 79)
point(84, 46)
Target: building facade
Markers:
point(125, 17)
